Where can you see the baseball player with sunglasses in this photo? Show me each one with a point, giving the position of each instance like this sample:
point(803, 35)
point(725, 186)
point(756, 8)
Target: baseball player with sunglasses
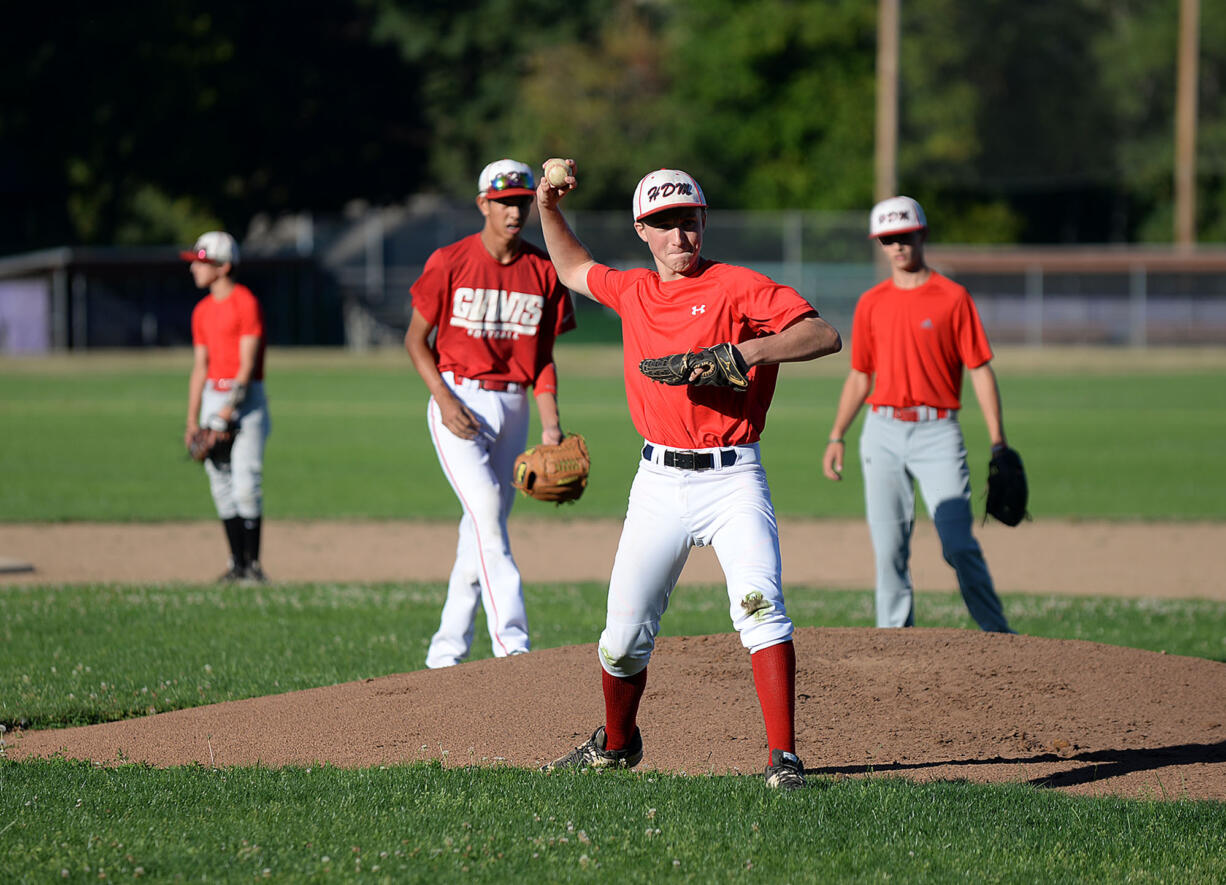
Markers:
point(486, 312)
point(911, 337)
point(702, 341)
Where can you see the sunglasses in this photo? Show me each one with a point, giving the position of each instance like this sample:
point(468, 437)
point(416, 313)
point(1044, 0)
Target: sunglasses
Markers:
point(505, 180)
point(891, 239)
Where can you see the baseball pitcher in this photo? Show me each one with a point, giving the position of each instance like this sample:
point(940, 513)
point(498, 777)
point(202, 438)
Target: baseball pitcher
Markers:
point(702, 341)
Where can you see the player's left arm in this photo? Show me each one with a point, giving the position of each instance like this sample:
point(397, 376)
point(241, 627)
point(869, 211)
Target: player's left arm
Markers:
point(545, 388)
point(983, 379)
point(551, 422)
point(807, 338)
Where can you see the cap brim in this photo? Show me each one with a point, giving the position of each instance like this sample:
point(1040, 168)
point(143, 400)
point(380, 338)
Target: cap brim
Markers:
point(509, 192)
point(900, 230)
point(660, 209)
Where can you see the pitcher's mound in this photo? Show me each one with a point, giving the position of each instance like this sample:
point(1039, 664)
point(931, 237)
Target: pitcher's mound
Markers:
point(923, 704)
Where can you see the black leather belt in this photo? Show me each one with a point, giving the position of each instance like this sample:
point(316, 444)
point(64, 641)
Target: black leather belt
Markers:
point(692, 460)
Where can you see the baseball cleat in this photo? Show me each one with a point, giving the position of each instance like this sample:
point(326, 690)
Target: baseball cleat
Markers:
point(594, 755)
point(233, 574)
point(785, 772)
point(255, 574)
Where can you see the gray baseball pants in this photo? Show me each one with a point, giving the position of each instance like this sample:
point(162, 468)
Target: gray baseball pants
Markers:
point(895, 455)
point(237, 485)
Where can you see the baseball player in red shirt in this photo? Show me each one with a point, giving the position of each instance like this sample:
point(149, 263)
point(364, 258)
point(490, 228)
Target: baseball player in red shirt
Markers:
point(486, 312)
point(226, 389)
point(911, 337)
point(700, 480)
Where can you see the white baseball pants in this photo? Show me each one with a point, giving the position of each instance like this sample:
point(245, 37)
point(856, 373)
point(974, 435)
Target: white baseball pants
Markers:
point(671, 510)
point(485, 572)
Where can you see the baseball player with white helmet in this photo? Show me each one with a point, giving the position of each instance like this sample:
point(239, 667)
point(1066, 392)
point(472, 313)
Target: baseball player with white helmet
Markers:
point(226, 393)
point(486, 312)
point(911, 337)
point(702, 341)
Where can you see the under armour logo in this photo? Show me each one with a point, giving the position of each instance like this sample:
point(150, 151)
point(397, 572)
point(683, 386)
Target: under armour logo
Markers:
point(926, 324)
point(697, 309)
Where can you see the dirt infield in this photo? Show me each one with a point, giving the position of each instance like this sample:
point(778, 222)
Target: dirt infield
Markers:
point(1172, 560)
point(924, 704)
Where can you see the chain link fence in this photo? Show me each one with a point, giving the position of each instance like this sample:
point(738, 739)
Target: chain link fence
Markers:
point(343, 280)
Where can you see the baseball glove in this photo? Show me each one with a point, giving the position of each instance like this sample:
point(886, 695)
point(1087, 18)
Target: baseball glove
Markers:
point(553, 473)
point(1007, 489)
point(212, 441)
point(721, 365)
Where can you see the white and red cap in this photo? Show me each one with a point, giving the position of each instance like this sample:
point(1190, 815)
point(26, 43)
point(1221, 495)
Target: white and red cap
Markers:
point(666, 189)
point(215, 247)
point(506, 178)
point(897, 215)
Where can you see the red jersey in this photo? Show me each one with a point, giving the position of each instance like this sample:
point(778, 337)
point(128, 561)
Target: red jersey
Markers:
point(721, 302)
point(916, 342)
point(495, 322)
point(219, 323)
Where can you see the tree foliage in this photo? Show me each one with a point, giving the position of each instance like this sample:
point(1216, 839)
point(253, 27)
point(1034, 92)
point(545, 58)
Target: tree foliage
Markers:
point(1039, 122)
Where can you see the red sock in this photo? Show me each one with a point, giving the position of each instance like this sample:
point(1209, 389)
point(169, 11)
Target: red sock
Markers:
point(621, 706)
point(774, 676)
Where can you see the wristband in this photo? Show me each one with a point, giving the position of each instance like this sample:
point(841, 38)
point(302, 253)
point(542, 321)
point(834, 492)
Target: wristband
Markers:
point(238, 393)
point(839, 440)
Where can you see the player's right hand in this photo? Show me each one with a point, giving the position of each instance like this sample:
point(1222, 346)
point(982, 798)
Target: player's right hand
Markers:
point(548, 195)
point(458, 418)
point(832, 461)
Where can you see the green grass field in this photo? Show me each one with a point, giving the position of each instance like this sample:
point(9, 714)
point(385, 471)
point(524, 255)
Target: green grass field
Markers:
point(1108, 437)
point(1112, 435)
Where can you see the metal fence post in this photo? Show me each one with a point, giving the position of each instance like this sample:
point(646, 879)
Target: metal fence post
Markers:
point(1034, 305)
point(80, 312)
point(60, 310)
point(1138, 309)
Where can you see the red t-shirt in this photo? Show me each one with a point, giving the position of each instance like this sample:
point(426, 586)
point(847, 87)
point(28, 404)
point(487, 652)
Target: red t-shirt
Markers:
point(218, 324)
point(916, 342)
point(495, 322)
point(722, 302)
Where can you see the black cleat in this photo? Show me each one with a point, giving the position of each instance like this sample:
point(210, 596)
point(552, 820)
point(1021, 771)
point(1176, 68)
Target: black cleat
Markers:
point(785, 771)
point(594, 755)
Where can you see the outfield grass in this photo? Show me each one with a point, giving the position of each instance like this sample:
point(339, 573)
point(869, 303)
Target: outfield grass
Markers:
point(100, 438)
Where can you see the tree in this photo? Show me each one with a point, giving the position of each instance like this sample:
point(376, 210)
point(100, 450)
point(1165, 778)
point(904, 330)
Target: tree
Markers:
point(143, 121)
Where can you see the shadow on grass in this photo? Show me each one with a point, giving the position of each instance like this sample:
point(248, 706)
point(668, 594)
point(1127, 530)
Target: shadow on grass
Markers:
point(1099, 764)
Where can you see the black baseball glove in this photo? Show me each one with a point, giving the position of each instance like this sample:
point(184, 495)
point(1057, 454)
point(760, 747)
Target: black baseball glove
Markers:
point(720, 366)
point(213, 441)
point(1008, 492)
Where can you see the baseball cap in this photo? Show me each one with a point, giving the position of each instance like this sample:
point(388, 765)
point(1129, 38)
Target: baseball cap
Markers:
point(666, 189)
point(897, 215)
point(215, 247)
point(506, 178)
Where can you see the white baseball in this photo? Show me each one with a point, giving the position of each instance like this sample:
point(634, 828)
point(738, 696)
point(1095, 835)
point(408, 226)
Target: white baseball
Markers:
point(556, 171)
